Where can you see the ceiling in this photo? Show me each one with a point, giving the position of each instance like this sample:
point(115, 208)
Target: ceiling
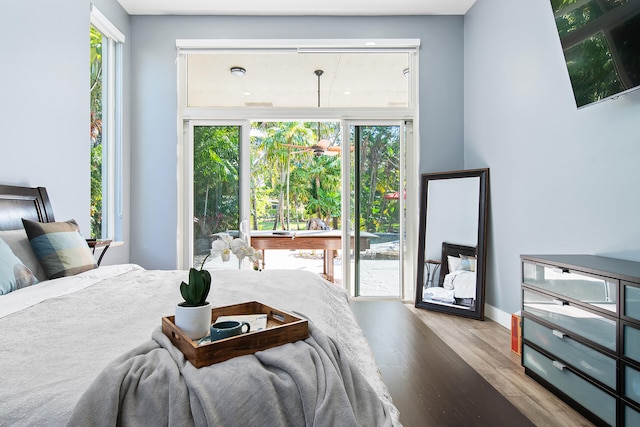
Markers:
point(296, 7)
point(288, 80)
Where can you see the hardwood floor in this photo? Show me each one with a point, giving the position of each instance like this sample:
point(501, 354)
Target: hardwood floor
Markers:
point(428, 391)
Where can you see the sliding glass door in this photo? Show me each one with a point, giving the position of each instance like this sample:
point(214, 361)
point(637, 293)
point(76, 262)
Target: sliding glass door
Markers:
point(214, 180)
point(377, 208)
point(275, 184)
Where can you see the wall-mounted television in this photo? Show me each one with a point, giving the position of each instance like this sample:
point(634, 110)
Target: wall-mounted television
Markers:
point(601, 44)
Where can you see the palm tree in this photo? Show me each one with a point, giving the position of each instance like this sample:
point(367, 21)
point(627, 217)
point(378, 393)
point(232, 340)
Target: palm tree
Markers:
point(277, 159)
point(324, 188)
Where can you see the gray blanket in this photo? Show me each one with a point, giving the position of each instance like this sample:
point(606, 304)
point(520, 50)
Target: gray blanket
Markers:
point(306, 383)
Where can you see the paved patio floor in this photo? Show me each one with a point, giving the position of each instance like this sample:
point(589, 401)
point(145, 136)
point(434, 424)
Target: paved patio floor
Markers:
point(378, 277)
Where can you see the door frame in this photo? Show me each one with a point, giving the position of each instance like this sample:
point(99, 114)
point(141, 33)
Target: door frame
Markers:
point(186, 116)
point(408, 170)
point(185, 182)
point(409, 154)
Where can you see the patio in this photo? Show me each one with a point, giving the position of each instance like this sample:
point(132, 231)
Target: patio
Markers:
point(378, 266)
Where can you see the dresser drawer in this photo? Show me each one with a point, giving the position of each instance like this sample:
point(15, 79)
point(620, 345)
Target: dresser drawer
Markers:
point(584, 323)
point(632, 384)
point(631, 417)
point(631, 300)
point(590, 396)
point(631, 341)
point(585, 359)
point(598, 291)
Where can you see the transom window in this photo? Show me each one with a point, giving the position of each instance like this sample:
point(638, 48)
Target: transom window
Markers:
point(288, 80)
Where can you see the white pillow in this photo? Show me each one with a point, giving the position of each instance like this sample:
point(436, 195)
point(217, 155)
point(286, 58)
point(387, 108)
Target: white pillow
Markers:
point(455, 263)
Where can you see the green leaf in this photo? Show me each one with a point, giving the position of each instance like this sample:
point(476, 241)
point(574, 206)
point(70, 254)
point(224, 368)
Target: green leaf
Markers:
point(196, 291)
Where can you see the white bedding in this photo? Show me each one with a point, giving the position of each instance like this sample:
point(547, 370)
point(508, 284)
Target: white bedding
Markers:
point(26, 297)
point(58, 336)
point(462, 282)
point(438, 293)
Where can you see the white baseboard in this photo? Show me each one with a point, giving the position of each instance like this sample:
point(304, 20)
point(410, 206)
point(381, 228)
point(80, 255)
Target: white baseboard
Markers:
point(501, 317)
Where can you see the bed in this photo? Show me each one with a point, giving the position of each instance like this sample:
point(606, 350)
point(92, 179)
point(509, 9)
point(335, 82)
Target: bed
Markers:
point(87, 348)
point(457, 282)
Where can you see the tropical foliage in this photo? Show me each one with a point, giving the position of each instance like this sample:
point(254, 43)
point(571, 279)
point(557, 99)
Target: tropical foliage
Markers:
point(290, 185)
point(299, 185)
point(216, 181)
point(379, 176)
point(95, 118)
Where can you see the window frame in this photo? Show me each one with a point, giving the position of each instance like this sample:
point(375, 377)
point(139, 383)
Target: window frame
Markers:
point(112, 121)
point(354, 116)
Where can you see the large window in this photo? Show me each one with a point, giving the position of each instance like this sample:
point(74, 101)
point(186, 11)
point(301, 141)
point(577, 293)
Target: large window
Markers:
point(105, 125)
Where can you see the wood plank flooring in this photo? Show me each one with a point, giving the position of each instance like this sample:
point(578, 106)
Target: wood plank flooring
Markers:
point(429, 382)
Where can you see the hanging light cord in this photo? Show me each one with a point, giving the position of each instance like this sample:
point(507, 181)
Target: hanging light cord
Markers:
point(318, 73)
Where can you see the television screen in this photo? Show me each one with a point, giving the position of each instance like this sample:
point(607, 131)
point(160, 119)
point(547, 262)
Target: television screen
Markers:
point(601, 44)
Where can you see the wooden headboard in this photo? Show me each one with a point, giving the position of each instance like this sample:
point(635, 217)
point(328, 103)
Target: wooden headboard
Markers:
point(23, 202)
point(449, 249)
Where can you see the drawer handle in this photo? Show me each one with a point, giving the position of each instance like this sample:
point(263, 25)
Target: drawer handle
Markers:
point(559, 334)
point(559, 302)
point(559, 366)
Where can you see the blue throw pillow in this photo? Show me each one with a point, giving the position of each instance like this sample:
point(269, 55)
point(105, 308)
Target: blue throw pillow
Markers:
point(13, 274)
point(468, 263)
point(59, 247)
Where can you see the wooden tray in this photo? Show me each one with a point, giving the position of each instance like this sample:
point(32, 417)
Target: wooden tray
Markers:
point(281, 328)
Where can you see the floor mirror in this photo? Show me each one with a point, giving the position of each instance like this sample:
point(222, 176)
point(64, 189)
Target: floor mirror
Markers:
point(452, 242)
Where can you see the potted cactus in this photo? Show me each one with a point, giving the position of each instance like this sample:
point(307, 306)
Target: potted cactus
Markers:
point(193, 315)
point(196, 291)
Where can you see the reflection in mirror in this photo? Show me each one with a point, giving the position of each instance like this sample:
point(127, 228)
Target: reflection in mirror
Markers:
point(451, 259)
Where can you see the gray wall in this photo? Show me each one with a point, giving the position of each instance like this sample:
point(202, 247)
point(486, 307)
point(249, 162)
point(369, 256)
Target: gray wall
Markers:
point(44, 108)
point(46, 103)
point(562, 180)
point(494, 91)
point(153, 155)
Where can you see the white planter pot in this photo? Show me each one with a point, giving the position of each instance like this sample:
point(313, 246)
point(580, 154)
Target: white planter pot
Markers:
point(194, 321)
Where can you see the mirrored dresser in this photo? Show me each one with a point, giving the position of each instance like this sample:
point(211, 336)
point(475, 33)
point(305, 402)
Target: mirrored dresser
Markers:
point(581, 333)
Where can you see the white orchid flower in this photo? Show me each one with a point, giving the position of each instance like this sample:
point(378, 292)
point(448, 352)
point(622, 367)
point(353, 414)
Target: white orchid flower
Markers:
point(237, 245)
point(222, 247)
point(253, 255)
point(226, 244)
point(239, 248)
point(227, 238)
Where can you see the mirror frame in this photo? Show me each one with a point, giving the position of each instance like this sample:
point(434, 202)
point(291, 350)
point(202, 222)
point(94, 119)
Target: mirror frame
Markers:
point(481, 248)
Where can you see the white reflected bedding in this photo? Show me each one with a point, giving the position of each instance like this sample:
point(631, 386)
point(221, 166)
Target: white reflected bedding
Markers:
point(437, 293)
point(462, 282)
